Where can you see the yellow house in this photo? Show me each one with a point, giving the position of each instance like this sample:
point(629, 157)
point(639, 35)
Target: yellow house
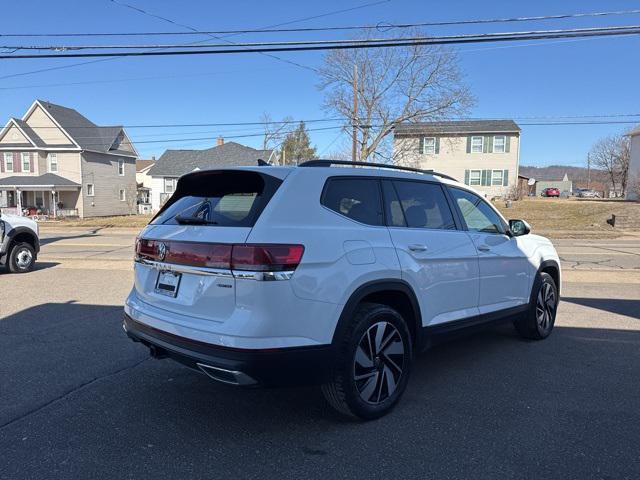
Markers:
point(482, 153)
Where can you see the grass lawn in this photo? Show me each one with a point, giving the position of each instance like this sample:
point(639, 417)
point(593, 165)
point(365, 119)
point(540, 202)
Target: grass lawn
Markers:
point(125, 221)
point(548, 215)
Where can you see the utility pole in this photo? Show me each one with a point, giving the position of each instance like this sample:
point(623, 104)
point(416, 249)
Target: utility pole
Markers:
point(588, 170)
point(354, 120)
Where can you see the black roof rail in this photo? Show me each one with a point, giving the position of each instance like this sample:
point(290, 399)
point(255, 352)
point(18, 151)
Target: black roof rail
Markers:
point(328, 163)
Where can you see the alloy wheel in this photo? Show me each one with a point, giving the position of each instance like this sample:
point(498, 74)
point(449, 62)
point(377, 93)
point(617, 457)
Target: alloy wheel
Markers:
point(545, 306)
point(379, 362)
point(24, 258)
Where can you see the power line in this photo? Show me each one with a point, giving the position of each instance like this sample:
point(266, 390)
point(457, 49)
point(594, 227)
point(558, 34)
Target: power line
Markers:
point(359, 44)
point(547, 118)
point(61, 67)
point(188, 27)
point(380, 26)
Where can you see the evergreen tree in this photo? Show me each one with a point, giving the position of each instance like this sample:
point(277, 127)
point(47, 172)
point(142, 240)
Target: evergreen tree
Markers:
point(296, 147)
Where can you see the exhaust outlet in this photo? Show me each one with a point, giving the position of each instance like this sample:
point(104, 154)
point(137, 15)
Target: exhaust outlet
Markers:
point(157, 352)
point(230, 377)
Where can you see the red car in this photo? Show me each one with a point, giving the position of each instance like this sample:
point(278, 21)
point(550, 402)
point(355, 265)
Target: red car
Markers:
point(551, 192)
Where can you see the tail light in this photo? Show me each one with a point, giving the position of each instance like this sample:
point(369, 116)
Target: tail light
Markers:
point(266, 258)
point(246, 257)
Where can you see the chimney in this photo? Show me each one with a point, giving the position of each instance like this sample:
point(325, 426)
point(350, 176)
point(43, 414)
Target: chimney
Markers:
point(220, 141)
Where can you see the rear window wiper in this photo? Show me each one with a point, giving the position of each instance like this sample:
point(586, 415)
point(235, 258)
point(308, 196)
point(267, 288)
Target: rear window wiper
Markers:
point(194, 221)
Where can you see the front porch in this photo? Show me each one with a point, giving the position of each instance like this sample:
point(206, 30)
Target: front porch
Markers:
point(24, 196)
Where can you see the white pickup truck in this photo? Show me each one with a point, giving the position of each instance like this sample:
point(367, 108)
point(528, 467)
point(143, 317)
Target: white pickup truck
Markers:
point(19, 243)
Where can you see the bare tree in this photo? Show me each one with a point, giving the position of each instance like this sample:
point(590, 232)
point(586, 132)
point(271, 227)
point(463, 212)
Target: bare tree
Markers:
point(613, 154)
point(274, 132)
point(405, 84)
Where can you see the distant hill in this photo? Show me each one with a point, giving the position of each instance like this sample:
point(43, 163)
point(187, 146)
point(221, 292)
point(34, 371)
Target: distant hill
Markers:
point(557, 172)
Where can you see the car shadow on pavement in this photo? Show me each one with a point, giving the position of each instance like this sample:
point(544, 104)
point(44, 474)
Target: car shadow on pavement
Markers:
point(38, 266)
point(91, 234)
point(80, 394)
point(619, 306)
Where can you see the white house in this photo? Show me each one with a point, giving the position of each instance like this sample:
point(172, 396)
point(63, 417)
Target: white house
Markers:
point(175, 163)
point(634, 166)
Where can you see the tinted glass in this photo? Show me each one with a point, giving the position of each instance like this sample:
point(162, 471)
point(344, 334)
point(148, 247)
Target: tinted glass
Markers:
point(355, 198)
point(424, 205)
point(477, 213)
point(393, 209)
point(228, 199)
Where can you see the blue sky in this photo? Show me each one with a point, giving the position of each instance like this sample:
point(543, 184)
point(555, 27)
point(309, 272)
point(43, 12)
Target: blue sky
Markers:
point(515, 80)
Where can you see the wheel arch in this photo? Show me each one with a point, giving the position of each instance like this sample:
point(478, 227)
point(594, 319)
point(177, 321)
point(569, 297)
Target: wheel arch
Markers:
point(552, 268)
point(394, 293)
point(18, 235)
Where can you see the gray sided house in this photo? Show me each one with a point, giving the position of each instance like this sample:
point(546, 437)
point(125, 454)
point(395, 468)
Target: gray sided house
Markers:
point(175, 163)
point(56, 162)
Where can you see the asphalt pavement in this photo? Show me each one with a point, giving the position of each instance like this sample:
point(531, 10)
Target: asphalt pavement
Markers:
point(80, 400)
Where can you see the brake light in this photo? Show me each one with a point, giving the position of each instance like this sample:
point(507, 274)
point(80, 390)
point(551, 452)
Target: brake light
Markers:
point(247, 257)
point(264, 258)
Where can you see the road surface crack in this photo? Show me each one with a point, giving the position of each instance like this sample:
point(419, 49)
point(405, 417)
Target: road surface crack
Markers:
point(71, 392)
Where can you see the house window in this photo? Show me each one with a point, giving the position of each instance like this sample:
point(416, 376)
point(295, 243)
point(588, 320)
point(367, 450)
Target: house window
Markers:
point(123, 195)
point(169, 185)
point(499, 143)
point(26, 162)
point(477, 143)
point(8, 162)
point(475, 177)
point(496, 177)
point(90, 190)
point(52, 161)
point(121, 168)
point(429, 145)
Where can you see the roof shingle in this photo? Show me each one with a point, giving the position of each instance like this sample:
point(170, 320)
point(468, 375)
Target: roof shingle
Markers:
point(174, 163)
point(457, 127)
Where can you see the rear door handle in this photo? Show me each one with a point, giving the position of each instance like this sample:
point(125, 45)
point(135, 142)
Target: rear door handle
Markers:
point(484, 248)
point(417, 247)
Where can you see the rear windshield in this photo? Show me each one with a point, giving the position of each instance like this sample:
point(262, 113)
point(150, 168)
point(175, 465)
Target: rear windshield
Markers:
point(219, 198)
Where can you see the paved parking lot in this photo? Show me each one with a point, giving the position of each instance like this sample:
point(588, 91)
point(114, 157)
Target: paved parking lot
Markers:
point(79, 400)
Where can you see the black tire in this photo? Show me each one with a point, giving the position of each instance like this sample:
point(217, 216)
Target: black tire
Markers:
point(537, 323)
point(21, 258)
point(387, 368)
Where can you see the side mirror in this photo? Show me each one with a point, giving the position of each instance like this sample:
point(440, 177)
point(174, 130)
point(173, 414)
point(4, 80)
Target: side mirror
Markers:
point(519, 228)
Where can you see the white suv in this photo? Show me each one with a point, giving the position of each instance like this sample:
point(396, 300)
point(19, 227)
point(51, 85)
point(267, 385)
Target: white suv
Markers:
point(318, 274)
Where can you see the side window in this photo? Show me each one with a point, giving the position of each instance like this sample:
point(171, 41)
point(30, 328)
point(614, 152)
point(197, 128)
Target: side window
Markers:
point(392, 208)
point(355, 198)
point(424, 205)
point(477, 214)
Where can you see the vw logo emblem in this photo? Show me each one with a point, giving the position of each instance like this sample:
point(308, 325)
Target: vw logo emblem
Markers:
point(162, 250)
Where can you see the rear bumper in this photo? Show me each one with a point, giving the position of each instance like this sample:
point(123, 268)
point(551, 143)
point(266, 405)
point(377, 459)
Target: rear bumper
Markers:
point(272, 367)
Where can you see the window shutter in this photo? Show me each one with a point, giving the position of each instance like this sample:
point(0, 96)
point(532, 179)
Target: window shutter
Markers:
point(483, 180)
point(485, 144)
point(2, 160)
point(466, 177)
point(469, 144)
point(490, 143)
point(507, 144)
point(32, 161)
point(437, 145)
point(421, 145)
point(505, 178)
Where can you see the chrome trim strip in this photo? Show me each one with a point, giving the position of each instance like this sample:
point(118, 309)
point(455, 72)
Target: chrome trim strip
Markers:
point(214, 272)
point(172, 267)
point(263, 276)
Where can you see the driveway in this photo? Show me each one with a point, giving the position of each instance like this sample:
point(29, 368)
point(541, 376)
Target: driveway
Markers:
point(79, 400)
